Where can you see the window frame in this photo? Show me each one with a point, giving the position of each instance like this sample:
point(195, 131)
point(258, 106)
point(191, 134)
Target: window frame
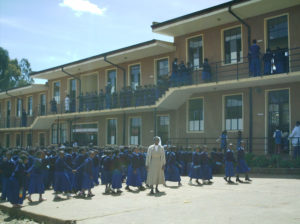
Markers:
point(129, 73)
point(187, 114)
point(129, 129)
point(155, 67)
point(224, 111)
point(53, 95)
point(116, 138)
point(106, 78)
point(187, 49)
point(223, 45)
point(28, 114)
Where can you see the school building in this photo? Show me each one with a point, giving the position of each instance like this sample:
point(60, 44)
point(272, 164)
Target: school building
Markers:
point(187, 115)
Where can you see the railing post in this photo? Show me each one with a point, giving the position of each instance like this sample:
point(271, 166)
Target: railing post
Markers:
point(216, 71)
point(237, 70)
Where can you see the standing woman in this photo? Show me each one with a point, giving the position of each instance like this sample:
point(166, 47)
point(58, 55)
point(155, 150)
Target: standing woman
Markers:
point(155, 164)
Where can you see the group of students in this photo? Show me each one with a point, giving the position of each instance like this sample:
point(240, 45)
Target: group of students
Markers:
point(78, 170)
point(275, 62)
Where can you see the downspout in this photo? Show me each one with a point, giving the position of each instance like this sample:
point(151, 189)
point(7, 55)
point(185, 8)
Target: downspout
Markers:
point(124, 82)
point(117, 66)
point(250, 88)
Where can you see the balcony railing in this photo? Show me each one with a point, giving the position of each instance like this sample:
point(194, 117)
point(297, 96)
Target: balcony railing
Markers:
point(148, 95)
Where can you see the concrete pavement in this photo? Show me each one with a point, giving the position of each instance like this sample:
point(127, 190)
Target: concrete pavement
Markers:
point(265, 200)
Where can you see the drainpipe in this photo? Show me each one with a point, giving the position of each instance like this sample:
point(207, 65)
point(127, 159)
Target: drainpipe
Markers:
point(117, 66)
point(244, 23)
point(250, 88)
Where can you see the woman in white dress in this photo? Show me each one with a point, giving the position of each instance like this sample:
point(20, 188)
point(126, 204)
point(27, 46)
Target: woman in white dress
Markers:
point(155, 164)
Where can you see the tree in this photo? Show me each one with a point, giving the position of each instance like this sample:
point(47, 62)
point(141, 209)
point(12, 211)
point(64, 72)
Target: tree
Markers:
point(12, 72)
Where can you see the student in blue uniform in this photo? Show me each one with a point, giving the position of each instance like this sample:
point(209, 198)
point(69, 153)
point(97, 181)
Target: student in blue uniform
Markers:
point(106, 170)
point(206, 72)
point(223, 141)
point(229, 168)
point(96, 168)
point(61, 179)
point(142, 164)
point(195, 171)
point(278, 137)
point(16, 184)
point(68, 158)
point(134, 173)
point(255, 62)
point(36, 182)
point(239, 139)
point(279, 60)
point(87, 175)
point(172, 167)
point(116, 183)
point(7, 167)
point(267, 58)
point(205, 166)
point(241, 164)
point(81, 156)
point(174, 75)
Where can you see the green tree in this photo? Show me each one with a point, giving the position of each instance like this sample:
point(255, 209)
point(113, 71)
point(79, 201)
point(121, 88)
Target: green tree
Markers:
point(13, 73)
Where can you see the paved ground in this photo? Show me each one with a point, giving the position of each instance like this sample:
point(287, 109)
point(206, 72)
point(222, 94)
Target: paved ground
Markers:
point(265, 200)
point(5, 218)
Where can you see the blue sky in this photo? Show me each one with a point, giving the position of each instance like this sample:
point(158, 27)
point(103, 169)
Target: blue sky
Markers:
point(53, 32)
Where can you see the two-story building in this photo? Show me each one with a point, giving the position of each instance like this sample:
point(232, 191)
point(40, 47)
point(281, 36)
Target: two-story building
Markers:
point(103, 110)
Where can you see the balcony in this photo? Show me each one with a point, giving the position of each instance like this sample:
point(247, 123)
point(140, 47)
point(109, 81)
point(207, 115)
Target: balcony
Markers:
point(169, 94)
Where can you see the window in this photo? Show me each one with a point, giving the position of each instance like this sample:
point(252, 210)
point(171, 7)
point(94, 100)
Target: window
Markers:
point(195, 115)
point(234, 112)
point(29, 106)
point(112, 131)
point(162, 70)
point(163, 123)
point(18, 140)
point(7, 140)
point(232, 45)
point(63, 133)
point(112, 80)
point(43, 104)
point(56, 92)
point(195, 51)
point(29, 139)
point(277, 32)
point(135, 73)
point(54, 132)
point(19, 108)
point(135, 131)
point(72, 88)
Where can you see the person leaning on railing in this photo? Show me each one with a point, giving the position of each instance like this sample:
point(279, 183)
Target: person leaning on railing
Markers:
point(295, 137)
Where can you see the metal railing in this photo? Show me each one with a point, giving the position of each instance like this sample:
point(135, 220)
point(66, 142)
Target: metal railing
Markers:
point(148, 95)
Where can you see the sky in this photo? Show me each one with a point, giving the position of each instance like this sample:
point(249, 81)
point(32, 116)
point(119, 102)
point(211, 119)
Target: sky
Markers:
point(53, 32)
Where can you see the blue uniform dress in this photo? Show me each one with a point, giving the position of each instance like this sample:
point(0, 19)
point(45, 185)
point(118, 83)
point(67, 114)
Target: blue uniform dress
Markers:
point(195, 171)
point(134, 175)
point(16, 191)
point(255, 63)
point(87, 173)
point(229, 159)
point(223, 142)
point(36, 181)
point(80, 158)
point(142, 166)
point(69, 161)
point(180, 158)
point(7, 167)
point(61, 179)
point(96, 169)
point(106, 171)
point(241, 163)
point(172, 169)
point(205, 166)
point(206, 72)
point(116, 173)
point(278, 137)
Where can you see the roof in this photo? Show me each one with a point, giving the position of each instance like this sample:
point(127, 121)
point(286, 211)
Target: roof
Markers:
point(123, 51)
